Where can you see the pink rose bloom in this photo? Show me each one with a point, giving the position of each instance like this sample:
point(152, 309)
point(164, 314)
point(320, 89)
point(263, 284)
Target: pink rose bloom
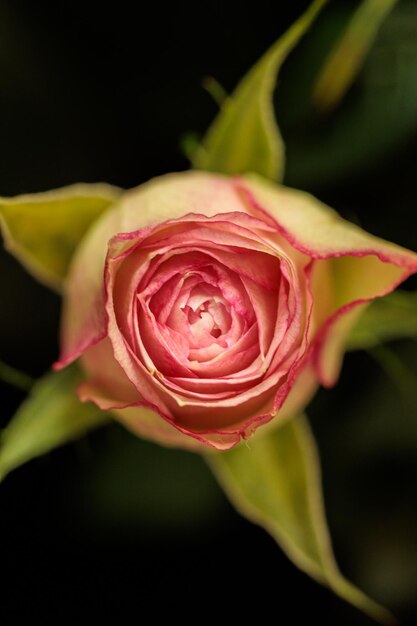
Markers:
point(202, 307)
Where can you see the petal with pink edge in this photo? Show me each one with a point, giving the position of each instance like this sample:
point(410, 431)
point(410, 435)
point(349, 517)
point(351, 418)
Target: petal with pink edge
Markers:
point(359, 266)
point(164, 198)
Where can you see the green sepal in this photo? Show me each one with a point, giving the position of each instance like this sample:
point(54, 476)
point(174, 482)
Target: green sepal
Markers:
point(244, 137)
point(51, 416)
point(42, 230)
point(274, 480)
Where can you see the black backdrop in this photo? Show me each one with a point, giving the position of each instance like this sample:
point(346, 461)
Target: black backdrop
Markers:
point(112, 524)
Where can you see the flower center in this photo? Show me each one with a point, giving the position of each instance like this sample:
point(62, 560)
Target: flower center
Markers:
point(201, 315)
point(209, 317)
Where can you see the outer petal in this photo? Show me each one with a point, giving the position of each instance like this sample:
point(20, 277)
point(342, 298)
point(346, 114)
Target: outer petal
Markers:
point(150, 425)
point(357, 267)
point(105, 373)
point(164, 198)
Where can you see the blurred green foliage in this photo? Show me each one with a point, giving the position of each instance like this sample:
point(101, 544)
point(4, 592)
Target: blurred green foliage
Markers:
point(392, 317)
point(377, 116)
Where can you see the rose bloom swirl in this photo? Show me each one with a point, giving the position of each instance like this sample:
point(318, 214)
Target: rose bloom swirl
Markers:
point(202, 307)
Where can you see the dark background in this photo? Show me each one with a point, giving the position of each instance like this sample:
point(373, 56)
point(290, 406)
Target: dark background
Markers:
point(109, 524)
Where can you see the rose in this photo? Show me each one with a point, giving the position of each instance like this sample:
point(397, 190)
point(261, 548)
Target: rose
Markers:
point(203, 307)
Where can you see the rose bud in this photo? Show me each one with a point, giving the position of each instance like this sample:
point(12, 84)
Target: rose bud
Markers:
point(202, 307)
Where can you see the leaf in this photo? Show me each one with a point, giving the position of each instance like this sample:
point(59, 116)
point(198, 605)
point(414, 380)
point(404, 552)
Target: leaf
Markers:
point(244, 137)
point(385, 319)
point(346, 59)
point(51, 416)
point(274, 481)
point(42, 230)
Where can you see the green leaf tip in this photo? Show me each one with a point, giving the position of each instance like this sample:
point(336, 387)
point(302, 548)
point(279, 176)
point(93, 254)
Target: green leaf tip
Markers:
point(274, 480)
point(346, 59)
point(244, 137)
point(51, 416)
point(42, 230)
